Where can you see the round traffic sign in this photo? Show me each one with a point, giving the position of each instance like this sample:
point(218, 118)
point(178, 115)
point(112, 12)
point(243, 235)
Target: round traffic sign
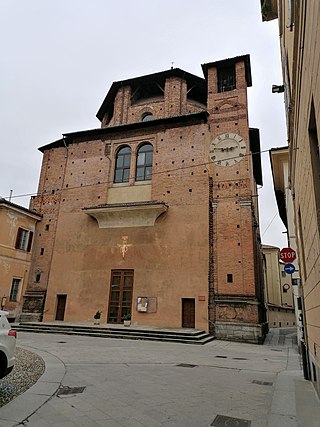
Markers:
point(287, 255)
point(289, 268)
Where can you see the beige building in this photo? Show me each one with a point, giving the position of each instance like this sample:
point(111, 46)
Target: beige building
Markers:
point(279, 159)
point(300, 50)
point(278, 290)
point(154, 215)
point(17, 226)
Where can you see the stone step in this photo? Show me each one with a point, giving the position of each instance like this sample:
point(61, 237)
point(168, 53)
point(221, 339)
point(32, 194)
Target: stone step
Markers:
point(131, 329)
point(190, 337)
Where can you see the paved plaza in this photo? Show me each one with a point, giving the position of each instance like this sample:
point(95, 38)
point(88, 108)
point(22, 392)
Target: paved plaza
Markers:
point(112, 382)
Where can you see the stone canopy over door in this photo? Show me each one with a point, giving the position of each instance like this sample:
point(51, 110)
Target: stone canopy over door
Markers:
point(120, 299)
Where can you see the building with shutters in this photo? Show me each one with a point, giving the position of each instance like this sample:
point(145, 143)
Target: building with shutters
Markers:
point(300, 52)
point(279, 159)
point(155, 213)
point(17, 226)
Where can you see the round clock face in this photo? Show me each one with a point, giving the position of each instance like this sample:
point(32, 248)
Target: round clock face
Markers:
point(227, 149)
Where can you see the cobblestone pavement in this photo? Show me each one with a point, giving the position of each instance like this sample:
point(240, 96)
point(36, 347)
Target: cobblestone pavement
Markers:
point(108, 382)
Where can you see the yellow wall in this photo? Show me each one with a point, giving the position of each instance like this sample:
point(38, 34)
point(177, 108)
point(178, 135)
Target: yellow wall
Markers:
point(272, 275)
point(300, 49)
point(14, 263)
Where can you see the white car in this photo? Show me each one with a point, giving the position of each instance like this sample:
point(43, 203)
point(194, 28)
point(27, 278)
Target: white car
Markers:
point(7, 345)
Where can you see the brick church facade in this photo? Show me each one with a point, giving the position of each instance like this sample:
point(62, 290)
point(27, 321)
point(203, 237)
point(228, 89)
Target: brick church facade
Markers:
point(155, 214)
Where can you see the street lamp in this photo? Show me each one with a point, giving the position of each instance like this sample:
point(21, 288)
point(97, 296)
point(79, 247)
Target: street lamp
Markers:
point(277, 88)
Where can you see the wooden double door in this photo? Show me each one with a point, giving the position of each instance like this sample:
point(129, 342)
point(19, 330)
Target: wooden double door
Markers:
point(120, 299)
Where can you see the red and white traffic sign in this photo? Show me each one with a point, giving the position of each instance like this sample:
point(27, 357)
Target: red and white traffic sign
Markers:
point(287, 255)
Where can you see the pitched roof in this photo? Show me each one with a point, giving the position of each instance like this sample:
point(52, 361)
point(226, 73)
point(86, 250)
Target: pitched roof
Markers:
point(228, 62)
point(197, 83)
point(14, 206)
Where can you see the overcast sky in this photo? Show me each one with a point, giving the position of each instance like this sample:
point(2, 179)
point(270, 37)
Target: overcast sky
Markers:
point(60, 57)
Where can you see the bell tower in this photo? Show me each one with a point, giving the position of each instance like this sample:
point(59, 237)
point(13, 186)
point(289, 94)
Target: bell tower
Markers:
point(235, 307)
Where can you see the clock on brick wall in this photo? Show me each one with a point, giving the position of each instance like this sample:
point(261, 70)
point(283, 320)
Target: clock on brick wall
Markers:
point(227, 149)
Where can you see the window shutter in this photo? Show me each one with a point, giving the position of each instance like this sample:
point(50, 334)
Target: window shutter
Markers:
point(30, 241)
point(18, 240)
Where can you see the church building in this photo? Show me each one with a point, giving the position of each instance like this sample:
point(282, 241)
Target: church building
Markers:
point(154, 215)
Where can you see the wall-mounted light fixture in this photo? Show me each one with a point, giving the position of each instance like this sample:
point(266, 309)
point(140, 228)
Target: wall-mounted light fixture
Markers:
point(277, 88)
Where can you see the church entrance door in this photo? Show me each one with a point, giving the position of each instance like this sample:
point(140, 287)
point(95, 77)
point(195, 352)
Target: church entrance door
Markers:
point(120, 298)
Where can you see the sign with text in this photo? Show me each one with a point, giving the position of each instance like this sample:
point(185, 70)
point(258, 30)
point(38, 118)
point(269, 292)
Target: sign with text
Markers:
point(287, 255)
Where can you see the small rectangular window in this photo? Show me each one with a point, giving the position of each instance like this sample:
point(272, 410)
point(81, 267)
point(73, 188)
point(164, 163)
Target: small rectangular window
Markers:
point(41, 251)
point(314, 371)
point(14, 289)
point(37, 277)
point(299, 303)
point(47, 226)
point(229, 278)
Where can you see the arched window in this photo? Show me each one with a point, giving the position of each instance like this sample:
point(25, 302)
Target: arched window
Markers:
point(122, 169)
point(147, 117)
point(144, 163)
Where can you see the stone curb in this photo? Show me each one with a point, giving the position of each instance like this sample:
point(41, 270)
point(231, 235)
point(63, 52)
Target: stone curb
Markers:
point(23, 406)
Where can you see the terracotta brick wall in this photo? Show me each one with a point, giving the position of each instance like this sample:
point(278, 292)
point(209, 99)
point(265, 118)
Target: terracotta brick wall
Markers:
point(171, 260)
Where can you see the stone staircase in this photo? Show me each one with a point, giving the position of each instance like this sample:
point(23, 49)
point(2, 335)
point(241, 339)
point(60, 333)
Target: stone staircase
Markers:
point(183, 336)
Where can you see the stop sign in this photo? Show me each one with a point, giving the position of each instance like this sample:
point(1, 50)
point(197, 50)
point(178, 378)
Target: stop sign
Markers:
point(287, 255)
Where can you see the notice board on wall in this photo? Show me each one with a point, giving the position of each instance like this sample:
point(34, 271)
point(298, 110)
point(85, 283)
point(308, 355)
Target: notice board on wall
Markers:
point(147, 304)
